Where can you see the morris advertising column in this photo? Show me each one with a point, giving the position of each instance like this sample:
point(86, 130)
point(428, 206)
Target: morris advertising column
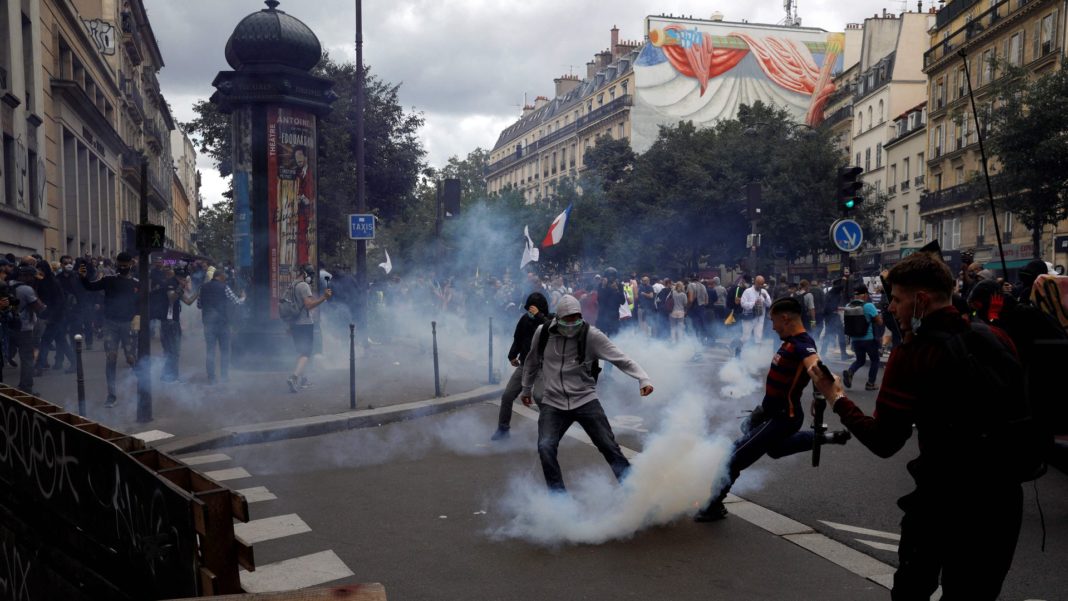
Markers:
point(275, 104)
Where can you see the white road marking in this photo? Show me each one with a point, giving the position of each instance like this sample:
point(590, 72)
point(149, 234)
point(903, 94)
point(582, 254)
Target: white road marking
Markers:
point(203, 459)
point(299, 572)
point(864, 531)
point(232, 473)
point(257, 494)
point(877, 545)
point(270, 528)
point(153, 435)
point(859, 563)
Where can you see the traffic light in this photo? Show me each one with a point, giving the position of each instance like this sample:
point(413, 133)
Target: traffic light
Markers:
point(848, 188)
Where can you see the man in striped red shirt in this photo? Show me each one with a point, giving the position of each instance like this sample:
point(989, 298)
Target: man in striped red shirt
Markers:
point(774, 426)
point(962, 521)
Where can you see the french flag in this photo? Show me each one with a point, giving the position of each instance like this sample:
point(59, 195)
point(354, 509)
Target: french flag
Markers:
point(556, 230)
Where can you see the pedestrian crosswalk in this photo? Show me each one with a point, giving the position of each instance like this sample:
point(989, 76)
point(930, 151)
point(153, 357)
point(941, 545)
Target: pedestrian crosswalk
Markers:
point(287, 574)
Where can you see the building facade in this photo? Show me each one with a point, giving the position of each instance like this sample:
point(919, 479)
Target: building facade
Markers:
point(185, 195)
point(1026, 33)
point(905, 181)
point(75, 76)
point(24, 202)
point(548, 142)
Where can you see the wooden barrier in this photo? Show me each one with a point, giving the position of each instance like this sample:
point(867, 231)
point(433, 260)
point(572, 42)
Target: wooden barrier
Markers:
point(372, 591)
point(87, 512)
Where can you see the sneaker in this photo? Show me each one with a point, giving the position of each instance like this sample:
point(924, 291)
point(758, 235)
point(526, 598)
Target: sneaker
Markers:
point(501, 434)
point(711, 513)
point(292, 381)
point(108, 404)
point(304, 382)
point(871, 386)
point(836, 437)
point(847, 378)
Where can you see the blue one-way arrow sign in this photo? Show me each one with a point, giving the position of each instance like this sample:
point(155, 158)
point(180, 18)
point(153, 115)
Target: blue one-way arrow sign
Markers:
point(362, 227)
point(847, 235)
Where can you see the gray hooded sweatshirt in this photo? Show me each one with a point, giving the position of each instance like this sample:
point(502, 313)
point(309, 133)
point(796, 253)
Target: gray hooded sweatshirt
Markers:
point(568, 384)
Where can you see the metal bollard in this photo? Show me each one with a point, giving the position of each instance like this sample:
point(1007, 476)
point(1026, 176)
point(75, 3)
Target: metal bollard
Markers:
point(78, 343)
point(437, 373)
point(352, 366)
point(489, 377)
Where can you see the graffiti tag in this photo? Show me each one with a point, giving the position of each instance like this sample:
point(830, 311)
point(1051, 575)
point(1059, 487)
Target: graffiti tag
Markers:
point(26, 443)
point(14, 574)
point(103, 34)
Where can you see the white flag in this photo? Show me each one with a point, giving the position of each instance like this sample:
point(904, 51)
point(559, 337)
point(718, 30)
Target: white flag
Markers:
point(388, 265)
point(530, 252)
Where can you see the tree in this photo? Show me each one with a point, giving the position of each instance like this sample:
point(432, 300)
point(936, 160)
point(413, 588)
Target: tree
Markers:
point(1029, 139)
point(394, 154)
point(215, 235)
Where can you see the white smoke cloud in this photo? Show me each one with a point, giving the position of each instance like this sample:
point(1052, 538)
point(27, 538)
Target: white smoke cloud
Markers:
point(675, 471)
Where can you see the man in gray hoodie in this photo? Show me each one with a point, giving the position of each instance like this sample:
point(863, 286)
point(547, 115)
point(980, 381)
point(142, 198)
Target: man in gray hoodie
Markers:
point(571, 387)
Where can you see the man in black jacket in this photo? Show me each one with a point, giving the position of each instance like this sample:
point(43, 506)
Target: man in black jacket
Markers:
point(120, 305)
point(536, 313)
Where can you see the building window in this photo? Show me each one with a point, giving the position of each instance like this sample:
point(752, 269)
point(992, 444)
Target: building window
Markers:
point(600, 99)
point(860, 124)
point(882, 117)
point(1044, 37)
point(905, 227)
point(858, 159)
point(893, 175)
point(620, 131)
point(959, 175)
point(624, 87)
point(871, 122)
point(904, 170)
point(928, 232)
point(1008, 223)
point(1015, 56)
point(950, 234)
point(893, 224)
point(612, 93)
point(988, 67)
point(9, 170)
point(878, 155)
point(867, 159)
point(980, 229)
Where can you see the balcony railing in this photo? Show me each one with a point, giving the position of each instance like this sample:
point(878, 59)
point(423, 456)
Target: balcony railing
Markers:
point(918, 181)
point(904, 185)
point(612, 107)
point(959, 38)
point(917, 235)
point(955, 195)
point(891, 189)
point(838, 116)
point(131, 37)
point(903, 238)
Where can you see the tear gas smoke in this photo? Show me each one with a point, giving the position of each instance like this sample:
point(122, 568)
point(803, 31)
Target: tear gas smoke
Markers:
point(675, 470)
point(742, 375)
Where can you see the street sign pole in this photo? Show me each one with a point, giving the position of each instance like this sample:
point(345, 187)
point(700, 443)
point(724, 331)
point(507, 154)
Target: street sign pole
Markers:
point(358, 151)
point(144, 340)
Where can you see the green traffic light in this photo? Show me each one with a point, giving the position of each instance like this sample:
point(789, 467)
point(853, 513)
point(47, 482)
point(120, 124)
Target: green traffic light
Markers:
point(850, 203)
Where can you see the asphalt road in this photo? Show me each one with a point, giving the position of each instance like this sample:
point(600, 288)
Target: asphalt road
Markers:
point(414, 505)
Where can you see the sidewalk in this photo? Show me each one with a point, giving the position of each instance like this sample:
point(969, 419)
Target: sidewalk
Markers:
point(387, 375)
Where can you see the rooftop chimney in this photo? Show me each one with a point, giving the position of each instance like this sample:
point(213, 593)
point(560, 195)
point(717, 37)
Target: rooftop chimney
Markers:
point(565, 83)
point(591, 69)
point(615, 41)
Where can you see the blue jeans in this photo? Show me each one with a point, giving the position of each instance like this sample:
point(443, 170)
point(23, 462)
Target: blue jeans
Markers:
point(776, 437)
point(871, 349)
point(553, 423)
point(217, 333)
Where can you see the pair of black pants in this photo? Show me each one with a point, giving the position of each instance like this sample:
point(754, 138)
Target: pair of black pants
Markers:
point(967, 539)
point(511, 391)
point(23, 342)
point(553, 423)
point(776, 437)
point(171, 340)
point(55, 332)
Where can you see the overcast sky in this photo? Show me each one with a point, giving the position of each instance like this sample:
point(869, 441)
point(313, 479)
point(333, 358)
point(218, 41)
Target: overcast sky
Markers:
point(464, 64)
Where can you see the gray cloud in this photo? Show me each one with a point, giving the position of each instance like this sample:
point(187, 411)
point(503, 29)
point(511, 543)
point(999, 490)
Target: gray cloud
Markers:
point(465, 63)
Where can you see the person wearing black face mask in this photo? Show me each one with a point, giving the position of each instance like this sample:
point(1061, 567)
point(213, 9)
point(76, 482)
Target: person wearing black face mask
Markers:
point(120, 306)
point(536, 314)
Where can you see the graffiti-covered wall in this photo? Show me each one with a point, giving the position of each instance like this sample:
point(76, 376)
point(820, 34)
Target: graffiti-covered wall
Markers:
point(702, 71)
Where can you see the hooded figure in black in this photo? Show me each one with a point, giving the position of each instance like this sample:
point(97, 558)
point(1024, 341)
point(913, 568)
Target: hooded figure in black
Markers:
point(536, 313)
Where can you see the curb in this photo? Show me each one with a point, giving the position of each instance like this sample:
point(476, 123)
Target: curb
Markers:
point(324, 424)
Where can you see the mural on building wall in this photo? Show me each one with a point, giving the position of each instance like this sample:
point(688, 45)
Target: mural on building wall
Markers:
point(702, 72)
point(103, 34)
point(291, 164)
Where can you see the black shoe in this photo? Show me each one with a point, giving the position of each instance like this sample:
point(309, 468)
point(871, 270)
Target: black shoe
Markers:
point(836, 437)
point(108, 404)
point(304, 383)
point(292, 381)
point(871, 386)
point(711, 513)
point(501, 434)
point(847, 378)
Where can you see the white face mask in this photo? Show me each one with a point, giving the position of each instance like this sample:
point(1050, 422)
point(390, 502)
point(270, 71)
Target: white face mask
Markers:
point(68, 267)
point(917, 320)
point(307, 279)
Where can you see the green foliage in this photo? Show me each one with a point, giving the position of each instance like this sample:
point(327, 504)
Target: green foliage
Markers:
point(216, 230)
point(1029, 139)
point(394, 157)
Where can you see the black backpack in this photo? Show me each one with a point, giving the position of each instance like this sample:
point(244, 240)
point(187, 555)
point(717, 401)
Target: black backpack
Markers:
point(990, 413)
point(854, 319)
point(584, 332)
